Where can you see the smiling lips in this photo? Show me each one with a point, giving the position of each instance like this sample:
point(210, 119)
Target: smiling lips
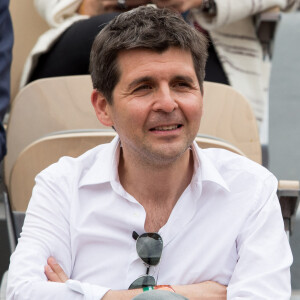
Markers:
point(166, 128)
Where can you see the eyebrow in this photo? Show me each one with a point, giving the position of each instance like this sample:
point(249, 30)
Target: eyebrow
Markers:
point(183, 78)
point(138, 81)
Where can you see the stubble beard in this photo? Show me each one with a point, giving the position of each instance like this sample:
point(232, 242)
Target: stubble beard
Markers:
point(161, 157)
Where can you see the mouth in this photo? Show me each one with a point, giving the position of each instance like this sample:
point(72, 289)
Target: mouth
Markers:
point(166, 128)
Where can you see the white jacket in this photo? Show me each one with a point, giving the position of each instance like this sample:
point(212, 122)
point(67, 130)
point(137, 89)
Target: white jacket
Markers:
point(60, 15)
point(239, 50)
point(232, 32)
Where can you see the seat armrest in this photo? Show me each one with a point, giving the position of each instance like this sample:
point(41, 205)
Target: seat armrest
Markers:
point(288, 193)
point(292, 185)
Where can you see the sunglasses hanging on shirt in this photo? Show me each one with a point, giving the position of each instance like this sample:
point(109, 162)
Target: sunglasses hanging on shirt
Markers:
point(149, 248)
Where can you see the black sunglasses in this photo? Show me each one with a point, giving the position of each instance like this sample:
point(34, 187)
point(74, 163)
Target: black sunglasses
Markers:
point(149, 247)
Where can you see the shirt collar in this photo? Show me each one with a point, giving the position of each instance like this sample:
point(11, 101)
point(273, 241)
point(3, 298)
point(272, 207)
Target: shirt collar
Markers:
point(205, 170)
point(105, 167)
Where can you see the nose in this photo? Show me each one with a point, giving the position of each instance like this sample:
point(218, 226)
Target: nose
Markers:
point(164, 100)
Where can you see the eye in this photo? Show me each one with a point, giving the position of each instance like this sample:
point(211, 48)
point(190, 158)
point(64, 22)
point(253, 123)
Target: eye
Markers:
point(143, 87)
point(182, 84)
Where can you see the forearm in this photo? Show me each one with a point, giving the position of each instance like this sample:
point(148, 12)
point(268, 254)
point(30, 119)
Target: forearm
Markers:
point(96, 7)
point(179, 5)
point(200, 291)
point(230, 11)
point(122, 295)
point(41, 290)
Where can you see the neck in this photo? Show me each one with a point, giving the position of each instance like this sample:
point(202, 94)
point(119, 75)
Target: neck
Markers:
point(156, 185)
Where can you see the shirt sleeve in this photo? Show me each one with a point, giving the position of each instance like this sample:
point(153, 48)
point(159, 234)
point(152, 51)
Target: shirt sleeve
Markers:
point(46, 232)
point(230, 11)
point(264, 255)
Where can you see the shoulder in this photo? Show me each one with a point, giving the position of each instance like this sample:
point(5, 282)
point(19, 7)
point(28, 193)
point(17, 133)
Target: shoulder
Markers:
point(250, 185)
point(225, 159)
point(72, 167)
point(57, 186)
point(239, 171)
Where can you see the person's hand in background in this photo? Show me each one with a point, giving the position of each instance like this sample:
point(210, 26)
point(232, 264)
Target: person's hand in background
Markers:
point(178, 5)
point(97, 7)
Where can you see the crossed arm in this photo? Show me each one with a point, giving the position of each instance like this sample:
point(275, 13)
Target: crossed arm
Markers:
point(201, 291)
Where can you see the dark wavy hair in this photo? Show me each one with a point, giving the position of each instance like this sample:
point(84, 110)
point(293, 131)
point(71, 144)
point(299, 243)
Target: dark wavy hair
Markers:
point(144, 27)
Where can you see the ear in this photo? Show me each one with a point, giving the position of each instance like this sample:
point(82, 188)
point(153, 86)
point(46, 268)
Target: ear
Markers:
point(102, 108)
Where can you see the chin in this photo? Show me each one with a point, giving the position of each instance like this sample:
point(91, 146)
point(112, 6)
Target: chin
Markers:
point(167, 155)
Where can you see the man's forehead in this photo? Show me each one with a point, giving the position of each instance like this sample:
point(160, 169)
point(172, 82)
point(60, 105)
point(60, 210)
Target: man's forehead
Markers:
point(146, 51)
point(145, 59)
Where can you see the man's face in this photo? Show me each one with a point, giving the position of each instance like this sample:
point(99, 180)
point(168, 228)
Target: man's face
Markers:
point(157, 104)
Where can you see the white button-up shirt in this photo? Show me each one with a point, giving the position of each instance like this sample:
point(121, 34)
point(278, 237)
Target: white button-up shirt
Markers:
point(226, 227)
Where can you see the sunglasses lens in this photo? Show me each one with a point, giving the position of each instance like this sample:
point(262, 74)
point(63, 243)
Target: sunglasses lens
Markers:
point(149, 247)
point(143, 281)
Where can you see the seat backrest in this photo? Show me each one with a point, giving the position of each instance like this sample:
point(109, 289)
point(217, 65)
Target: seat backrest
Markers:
point(63, 103)
point(227, 115)
point(45, 106)
point(47, 150)
point(42, 153)
point(207, 141)
point(28, 26)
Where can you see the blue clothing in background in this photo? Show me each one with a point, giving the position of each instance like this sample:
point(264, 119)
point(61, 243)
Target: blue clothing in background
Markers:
point(6, 42)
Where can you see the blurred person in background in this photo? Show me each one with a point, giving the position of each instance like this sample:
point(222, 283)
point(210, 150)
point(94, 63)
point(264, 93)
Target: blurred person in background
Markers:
point(65, 48)
point(6, 43)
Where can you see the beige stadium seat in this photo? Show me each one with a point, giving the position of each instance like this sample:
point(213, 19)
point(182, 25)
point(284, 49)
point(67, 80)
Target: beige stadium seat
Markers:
point(227, 115)
point(28, 26)
point(45, 106)
point(42, 153)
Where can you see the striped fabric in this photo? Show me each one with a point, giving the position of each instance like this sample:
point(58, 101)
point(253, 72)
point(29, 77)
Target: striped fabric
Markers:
point(233, 34)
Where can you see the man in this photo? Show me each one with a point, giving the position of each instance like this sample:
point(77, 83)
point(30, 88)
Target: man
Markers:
point(151, 202)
